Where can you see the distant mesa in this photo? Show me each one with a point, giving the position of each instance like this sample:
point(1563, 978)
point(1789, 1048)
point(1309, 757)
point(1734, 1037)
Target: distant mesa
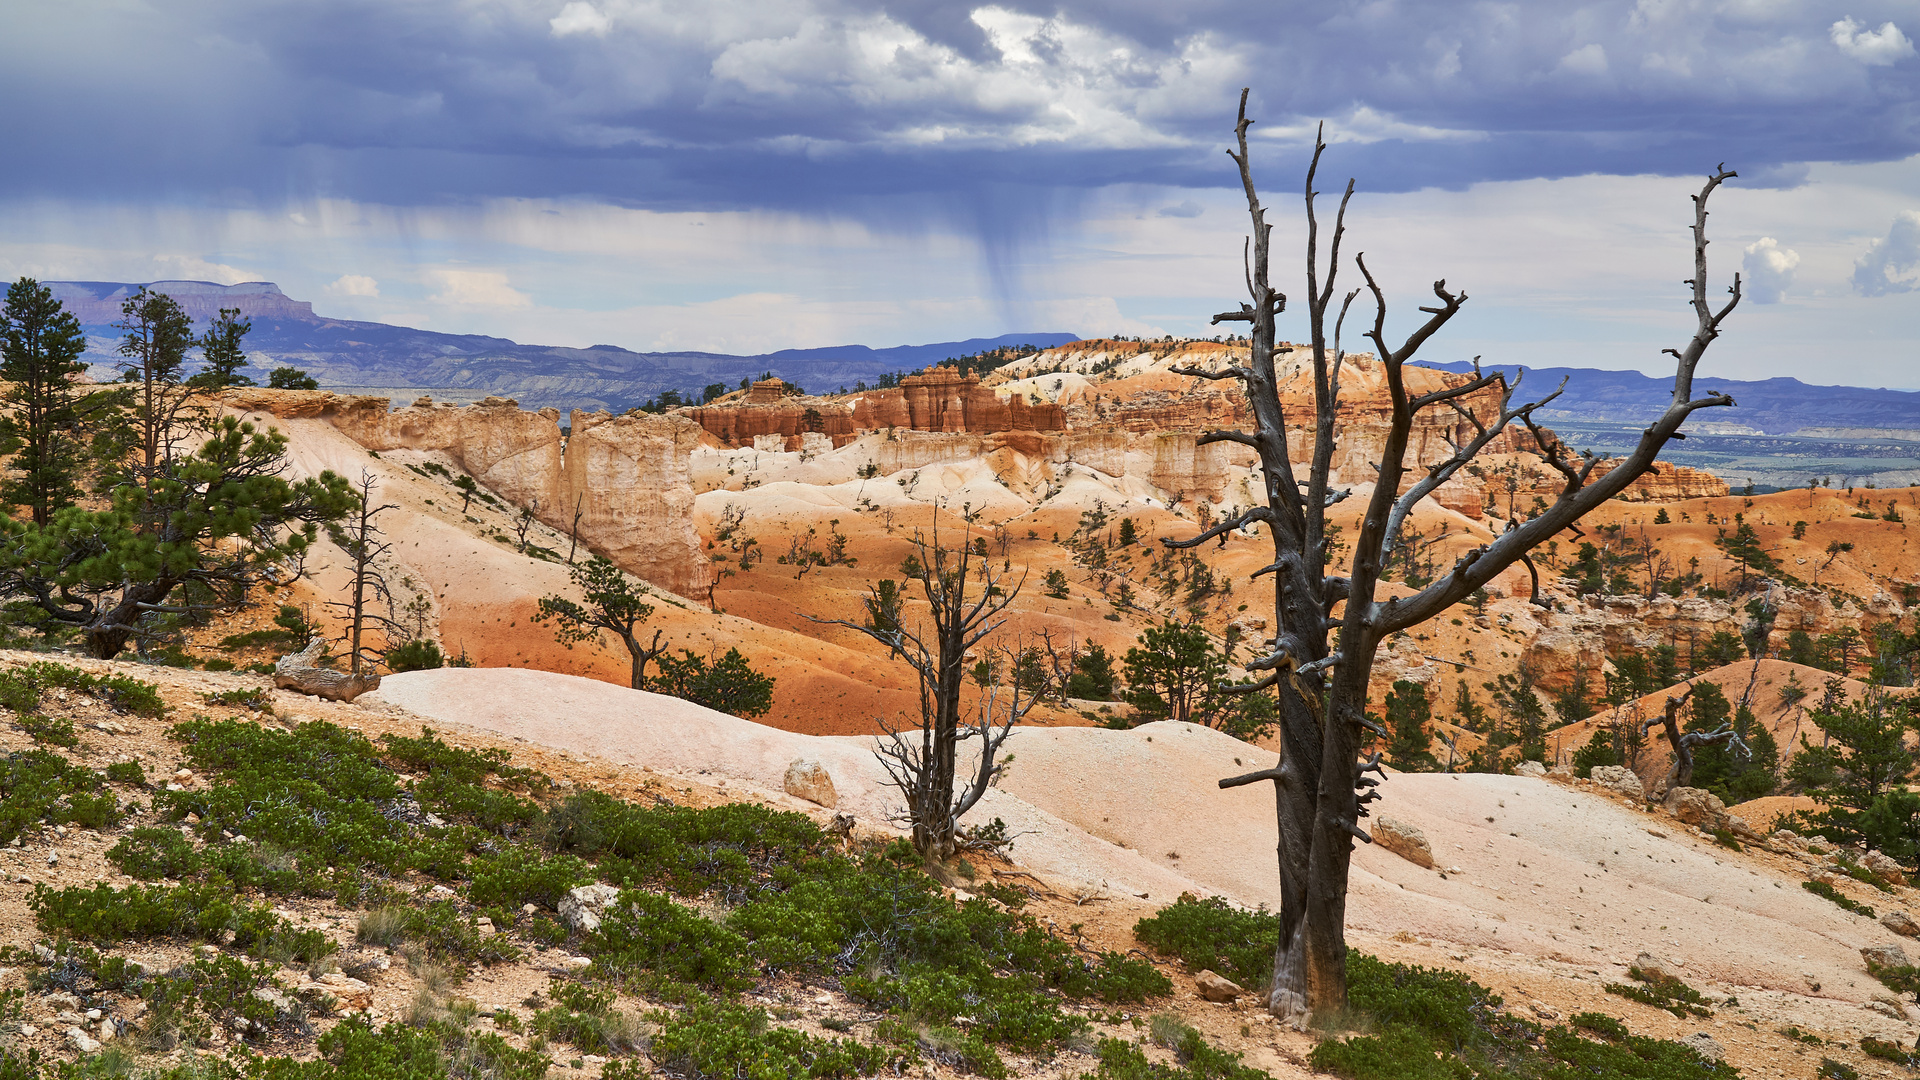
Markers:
point(402, 361)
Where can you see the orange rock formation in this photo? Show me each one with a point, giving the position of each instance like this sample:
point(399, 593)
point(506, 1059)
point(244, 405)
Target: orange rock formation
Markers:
point(626, 477)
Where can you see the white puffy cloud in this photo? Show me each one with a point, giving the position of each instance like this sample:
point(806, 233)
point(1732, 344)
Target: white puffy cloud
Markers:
point(1891, 265)
point(1769, 270)
point(1585, 60)
point(580, 18)
point(1880, 47)
point(477, 288)
point(354, 285)
point(195, 268)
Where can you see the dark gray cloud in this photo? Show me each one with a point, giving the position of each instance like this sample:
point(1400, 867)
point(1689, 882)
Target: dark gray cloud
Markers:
point(881, 106)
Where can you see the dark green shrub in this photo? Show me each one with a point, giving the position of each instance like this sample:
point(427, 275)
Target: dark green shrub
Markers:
point(1887, 1051)
point(417, 655)
point(52, 730)
point(1661, 992)
point(33, 786)
point(150, 854)
point(99, 810)
point(587, 1020)
point(519, 875)
point(1194, 1059)
point(21, 688)
point(1440, 1024)
point(1846, 903)
point(1213, 934)
point(714, 1039)
point(106, 915)
point(1836, 1070)
point(127, 772)
point(648, 940)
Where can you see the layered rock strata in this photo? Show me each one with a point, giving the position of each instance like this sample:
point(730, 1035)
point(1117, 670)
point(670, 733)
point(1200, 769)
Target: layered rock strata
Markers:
point(626, 477)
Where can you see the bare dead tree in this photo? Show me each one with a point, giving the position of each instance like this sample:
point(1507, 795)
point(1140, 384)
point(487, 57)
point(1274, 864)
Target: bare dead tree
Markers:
point(360, 540)
point(523, 525)
point(1319, 783)
point(1680, 773)
point(573, 536)
point(922, 760)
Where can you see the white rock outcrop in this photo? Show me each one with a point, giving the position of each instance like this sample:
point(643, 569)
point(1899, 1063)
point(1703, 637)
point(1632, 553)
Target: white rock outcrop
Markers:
point(583, 908)
point(808, 779)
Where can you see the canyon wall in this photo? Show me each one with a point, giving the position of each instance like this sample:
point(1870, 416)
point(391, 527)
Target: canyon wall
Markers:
point(627, 476)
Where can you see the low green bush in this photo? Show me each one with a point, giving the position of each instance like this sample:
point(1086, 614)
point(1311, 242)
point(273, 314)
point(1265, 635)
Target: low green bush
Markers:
point(21, 689)
point(1213, 934)
point(1828, 892)
point(106, 915)
point(1439, 1025)
point(587, 1020)
point(127, 772)
point(519, 875)
point(710, 1040)
point(40, 786)
point(1888, 1051)
point(1661, 992)
point(646, 940)
point(153, 853)
point(52, 730)
point(1193, 1058)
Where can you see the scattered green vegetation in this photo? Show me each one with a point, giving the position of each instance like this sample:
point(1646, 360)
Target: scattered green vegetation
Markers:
point(1836, 1070)
point(256, 700)
point(1662, 992)
point(1822, 889)
point(39, 786)
point(105, 915)
point(1194, 1058)
point(1793, 1032)
point(1888, 1051)
point(1443, 1026)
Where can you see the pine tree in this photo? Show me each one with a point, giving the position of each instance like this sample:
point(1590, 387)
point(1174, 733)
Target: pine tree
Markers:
point(1863, 759)
point(49, 418)
point(1410, 748)
point(1719, 767)
point(158, 335)
point(221, 347)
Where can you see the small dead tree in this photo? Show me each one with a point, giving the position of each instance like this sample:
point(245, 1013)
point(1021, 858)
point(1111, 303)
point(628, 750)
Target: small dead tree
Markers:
point(360, 540)
point(1319, 783)
point(1680, 773)
point(922, 760)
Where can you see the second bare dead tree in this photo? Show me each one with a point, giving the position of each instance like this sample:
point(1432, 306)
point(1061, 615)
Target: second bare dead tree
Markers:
point(1319, 784)
point(923, 760)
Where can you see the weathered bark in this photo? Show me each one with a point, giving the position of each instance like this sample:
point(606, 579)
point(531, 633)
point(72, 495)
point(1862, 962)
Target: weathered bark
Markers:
point(302, 671)
point(1320, 791)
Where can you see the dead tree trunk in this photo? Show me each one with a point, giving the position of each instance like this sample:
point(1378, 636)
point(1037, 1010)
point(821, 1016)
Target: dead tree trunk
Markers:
point(1680, 773)
point(922, 760)
point(1319, 787)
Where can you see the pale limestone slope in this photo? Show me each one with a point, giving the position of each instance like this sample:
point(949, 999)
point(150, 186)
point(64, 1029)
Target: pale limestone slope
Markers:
point(1561, 879)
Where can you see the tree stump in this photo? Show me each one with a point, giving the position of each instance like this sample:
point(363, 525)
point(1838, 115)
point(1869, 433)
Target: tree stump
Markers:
point(302, 671)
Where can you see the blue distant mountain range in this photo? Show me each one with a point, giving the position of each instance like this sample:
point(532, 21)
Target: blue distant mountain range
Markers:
point(1763, 407)
point(350, 355)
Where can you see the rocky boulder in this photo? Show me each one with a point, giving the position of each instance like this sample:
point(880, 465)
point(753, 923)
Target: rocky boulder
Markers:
point(1900, 923)
point(1885, 868)
point(1403, 839)
point(1530, 768)
point(808, 779)
point(1884, 956)
point(583, 908)
point(1621, 779)
point(1697, 807)
point(1216, 988)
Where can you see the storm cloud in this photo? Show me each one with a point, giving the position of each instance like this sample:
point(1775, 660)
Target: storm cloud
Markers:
point(827, 105)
